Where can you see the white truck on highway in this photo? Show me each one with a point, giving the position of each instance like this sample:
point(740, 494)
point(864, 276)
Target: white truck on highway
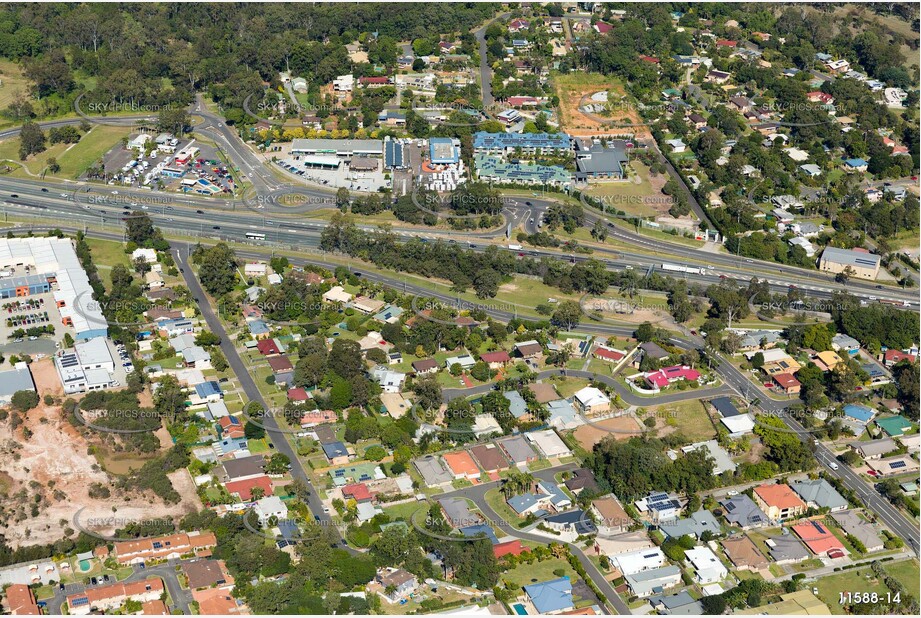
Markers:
point(693, 270)
point(514, 247)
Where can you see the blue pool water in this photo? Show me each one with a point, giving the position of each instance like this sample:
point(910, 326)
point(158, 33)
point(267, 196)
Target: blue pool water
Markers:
point(519, 609)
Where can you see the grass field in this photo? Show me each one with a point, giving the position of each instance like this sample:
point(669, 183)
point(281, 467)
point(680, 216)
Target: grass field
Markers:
point(106, 254)
point(855, 580)
point(688, 418)
point(74, 159)
point(907, 573)
point(89, 149)
point(525, 574)
point(14, 84)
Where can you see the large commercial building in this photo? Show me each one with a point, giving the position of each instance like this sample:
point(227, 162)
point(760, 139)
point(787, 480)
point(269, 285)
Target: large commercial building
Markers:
point(864, 265)
point(344, 148)
point(595, 160)
point(88, 366)
point(525, 143)
point(493, 169)
point(19, 378)
point(31, 266)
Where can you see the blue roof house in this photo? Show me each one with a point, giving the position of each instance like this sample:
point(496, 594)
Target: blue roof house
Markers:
point(861, 414)
point(551, 596)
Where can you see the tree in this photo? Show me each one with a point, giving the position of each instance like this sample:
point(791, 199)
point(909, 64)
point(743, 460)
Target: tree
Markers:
point(169, 398)
point(345, 358)
point(714, 605)
point(217, 269)
point(278, 464)
point(342, 198)
point(375, 453)
point(567, 314)
point(24, 401)
point(31, 140)
point(252, 431)
point(139, 228)
point(175, 120)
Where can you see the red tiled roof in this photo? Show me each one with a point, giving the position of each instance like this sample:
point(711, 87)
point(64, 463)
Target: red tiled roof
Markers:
point(267, 346)
point(895, 356)
point(726, 43)
point(779, 495)
point(358, 491)
point(514, 548)
point(608, 354)
point(244, 488)
point(500, 356)
point(786, 380)
point(280, 363)
point(602, 27)
point(817, 537)
point(298, 394)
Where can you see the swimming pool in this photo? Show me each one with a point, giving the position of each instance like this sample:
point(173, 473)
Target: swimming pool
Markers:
point(519, 609)
point(85, 565)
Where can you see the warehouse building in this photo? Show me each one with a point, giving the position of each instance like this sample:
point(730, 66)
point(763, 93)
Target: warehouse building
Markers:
point(40, 265)
point(344, 148)
point(864, 264)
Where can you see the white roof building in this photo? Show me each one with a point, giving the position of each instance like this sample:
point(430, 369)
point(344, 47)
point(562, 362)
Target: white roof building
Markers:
point(707, 567)
point(549, 443)
point(148, 255)
point(268, 507)
point(337, 294)
point(485, 424)
point(641, 560)
point(590, 396)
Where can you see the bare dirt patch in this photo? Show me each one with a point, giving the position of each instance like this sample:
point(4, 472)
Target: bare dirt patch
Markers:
point(55, 461)
point(619, 427)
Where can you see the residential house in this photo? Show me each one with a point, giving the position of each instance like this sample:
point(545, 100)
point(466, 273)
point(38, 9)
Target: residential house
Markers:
point(610, 516)
point(744, 554)
point(865, 532)
point(461, 465)
point(518, 450)
point(820, 494)
point(551, 597)
point(819, 539)
point(696, 525)
point(742, 511)
point(336, 453)
point(874, 449)
point(591, 401)
point(707, 567)
point(644, 583)
point(397, 584)
point(778, 501)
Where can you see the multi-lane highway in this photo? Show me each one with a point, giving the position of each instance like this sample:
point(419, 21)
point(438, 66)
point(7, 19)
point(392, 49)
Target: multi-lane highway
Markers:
point(233, 220)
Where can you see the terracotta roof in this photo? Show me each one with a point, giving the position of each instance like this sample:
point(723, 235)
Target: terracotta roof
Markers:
point(297, 394)
point(358, 491)
point(267, 346)
point(817, 537)
point(215, 602)
point(779, 495)
point(785, 380)
point(21, 601)
point(154, 608)
point(244, 488)
point(205, 573)
point(514, 548)
point(461, 463)
point(501, 356)
point(280, 363)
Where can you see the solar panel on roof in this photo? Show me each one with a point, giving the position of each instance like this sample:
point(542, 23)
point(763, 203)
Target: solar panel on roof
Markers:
point(895, 465)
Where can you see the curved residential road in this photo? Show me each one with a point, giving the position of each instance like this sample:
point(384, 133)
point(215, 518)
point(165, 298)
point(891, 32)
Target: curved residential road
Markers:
point(734, 379)
point(477, 494)
point(625, 393)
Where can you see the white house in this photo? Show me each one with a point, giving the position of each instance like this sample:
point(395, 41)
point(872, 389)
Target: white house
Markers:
point(268, 507)
point(707, 567)
point(640, 560)
point(148, 255)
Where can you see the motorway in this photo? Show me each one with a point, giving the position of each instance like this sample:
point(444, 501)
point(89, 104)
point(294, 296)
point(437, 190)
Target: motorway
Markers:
point(188, 216)
point(734, 380)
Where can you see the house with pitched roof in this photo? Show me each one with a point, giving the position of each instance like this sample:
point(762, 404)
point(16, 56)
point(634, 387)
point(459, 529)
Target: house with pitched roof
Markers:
point(778, 501)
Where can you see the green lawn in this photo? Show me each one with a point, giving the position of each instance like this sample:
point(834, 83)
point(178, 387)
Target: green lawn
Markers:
point(688, 418)
point(106, 254)
point(91, 147)
point(525, 574)
point(497, 503)
point(907, 572)
point(855, 580)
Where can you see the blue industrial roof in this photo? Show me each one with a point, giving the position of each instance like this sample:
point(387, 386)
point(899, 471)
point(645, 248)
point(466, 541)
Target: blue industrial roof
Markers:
point(483, 139)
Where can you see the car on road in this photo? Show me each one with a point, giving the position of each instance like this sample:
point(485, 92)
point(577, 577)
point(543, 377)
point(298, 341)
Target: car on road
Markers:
point(732, 493)
point(199, 212)
point(833, 465)
point(44, 190)
point(529, 204)
point(14, 195)
point(215, 227)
